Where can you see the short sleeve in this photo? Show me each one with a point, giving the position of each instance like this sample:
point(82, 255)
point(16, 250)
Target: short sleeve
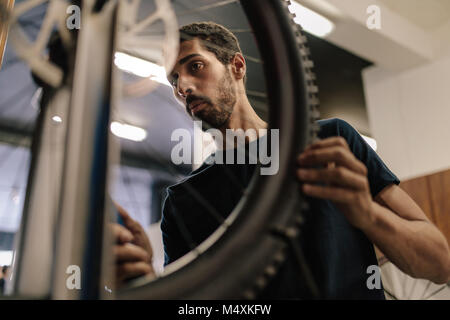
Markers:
point(379, 175)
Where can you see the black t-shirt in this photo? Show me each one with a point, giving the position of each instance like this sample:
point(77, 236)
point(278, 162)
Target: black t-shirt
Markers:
point(338, 254)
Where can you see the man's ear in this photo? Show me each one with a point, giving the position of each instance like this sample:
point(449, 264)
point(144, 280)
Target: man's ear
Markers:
point(238, 66)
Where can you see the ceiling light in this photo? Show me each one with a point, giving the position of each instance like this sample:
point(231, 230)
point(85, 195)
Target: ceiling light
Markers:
point(57, 119)
point(141, 68)
point(128, 132)
point(311, 21)
point(6, 257)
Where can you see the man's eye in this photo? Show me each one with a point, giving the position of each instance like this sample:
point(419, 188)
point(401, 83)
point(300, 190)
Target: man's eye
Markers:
point(197, 66)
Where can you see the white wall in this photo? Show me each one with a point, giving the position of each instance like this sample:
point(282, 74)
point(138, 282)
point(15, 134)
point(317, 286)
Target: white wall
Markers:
point(404, 287)
point(409, 114)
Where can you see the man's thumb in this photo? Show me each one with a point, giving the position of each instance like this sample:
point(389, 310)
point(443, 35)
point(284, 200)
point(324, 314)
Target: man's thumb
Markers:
point(123, 214)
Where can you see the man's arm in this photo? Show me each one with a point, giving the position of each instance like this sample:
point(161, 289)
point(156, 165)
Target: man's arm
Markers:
point(421, 243)
point(392, 221)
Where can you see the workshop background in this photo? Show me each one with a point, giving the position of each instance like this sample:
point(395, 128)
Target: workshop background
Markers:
point(391, 84)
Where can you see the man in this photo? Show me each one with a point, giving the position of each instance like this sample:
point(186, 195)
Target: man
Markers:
point(356, 201)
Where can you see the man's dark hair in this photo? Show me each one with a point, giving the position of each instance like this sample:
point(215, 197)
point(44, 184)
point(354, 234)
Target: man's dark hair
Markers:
point(5, 268)
point(214, 38)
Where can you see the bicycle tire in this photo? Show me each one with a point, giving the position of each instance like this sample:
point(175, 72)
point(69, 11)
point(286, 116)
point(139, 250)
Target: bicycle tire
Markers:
point(273, 205)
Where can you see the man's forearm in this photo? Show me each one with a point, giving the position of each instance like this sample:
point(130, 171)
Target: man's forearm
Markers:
point(416, 247)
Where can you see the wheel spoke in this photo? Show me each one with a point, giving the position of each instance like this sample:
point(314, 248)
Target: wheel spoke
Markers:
point(46, 29)
point(207, 7)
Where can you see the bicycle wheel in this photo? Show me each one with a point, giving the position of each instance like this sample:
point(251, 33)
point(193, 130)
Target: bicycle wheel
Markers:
point(259, 231)
point(273, 205)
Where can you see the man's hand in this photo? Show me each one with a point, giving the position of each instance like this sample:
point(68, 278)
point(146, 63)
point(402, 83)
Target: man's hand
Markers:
point(337, 176)
point(139, 236)
point(133, 252)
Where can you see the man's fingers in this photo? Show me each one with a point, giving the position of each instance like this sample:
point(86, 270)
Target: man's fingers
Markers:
point(128, 270)
point(120, 233)
point(129, 222)
point(335, 194)
point(329, 142)
point(340, 176)
point(339, 155)
point(123, 213)
point(129, 252)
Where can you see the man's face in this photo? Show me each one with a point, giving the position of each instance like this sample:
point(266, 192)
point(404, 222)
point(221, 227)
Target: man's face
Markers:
point(203, 84)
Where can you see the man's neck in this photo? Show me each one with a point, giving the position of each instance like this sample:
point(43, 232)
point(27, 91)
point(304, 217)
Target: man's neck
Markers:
point(243, 117)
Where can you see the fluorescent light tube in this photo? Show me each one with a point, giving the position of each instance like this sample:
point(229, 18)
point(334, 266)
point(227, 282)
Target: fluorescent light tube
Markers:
point(6, 258)
point(311, 21)
point(128, 132)
point(141, 68)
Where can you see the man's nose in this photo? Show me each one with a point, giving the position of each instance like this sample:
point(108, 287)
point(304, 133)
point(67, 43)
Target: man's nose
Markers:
point(185, 88)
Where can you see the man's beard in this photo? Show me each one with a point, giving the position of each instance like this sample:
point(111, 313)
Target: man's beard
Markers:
point(216, 115)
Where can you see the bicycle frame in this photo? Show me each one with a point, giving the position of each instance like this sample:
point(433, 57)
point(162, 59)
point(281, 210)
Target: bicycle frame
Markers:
point(4, 26)
point(67, 229)
point(64, 217)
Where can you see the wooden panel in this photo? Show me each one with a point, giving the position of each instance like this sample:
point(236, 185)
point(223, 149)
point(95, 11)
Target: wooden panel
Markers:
point(4, 27)
point(419, 190)
point(432, 194)
point(440, 200)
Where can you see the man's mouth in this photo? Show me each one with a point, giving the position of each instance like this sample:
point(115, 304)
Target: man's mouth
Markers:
point(196, 106)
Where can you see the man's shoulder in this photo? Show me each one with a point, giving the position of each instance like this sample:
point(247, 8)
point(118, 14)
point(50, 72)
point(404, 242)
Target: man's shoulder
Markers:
point(195, 177)
point(335, 127)
point(177, 192)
